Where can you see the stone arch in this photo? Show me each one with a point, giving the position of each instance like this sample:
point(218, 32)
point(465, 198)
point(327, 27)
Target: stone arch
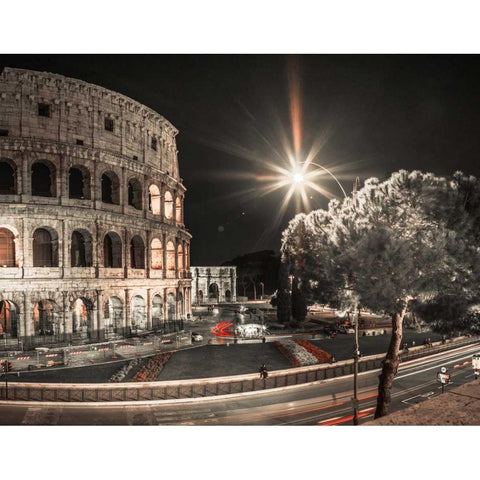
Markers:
point(113, 317)
point(79, 182)
point(9, 314)
point(82, 318)
point(7, 248)
point(110, 185)
point(154, 199)
point(157, 311)
point(171, 307)
point(137, 252)
point(139, 315)
point(45, 247)
point(178, 210)
point(43, 179)
point(168, 203)
point(157, 254)
point(181, 306)
point(112, 250)
point(8, 177)
point(170, 256)
point(134, 193)
point(81, 248)
point(180, 257)
point(46, 318)
point(213, 292)
point(228, 295)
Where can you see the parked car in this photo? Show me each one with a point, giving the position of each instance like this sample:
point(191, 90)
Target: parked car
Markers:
point(345, 329)
point(196, 337)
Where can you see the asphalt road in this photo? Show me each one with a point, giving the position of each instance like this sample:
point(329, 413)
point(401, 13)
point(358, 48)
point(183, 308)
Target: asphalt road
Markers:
point(321, 403)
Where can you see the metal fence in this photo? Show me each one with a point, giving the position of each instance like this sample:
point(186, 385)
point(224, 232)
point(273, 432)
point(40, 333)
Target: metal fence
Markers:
point(199, 388)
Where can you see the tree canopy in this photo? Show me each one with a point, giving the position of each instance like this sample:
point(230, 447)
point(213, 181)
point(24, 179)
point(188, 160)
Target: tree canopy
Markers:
point(412, 239)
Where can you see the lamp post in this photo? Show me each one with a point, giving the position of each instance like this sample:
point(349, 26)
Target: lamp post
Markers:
point(298, 178)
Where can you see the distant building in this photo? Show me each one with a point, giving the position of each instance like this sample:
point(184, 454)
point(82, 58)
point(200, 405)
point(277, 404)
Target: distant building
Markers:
point(213, 285)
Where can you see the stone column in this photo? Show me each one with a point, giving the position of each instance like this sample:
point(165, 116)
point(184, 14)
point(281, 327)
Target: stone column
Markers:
point(67, 317)
point(127, 313)
point(164, 244)
point(149, 308)
point(29, 330)
point(99, 316)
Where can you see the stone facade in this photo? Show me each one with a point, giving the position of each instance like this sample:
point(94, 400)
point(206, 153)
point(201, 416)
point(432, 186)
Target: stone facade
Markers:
point(213, 285)
point(92, 238)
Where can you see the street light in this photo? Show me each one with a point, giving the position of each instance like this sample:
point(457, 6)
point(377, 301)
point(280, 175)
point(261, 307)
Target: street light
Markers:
point(298, 178)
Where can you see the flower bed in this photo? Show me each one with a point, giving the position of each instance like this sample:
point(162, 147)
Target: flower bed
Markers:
point(297, 354)
point(319, 354)
point(151, 370)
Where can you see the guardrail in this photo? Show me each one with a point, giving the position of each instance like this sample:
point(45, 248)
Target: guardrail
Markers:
point(206, 387)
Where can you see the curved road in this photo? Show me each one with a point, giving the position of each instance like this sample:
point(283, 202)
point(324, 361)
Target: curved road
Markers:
point(327, 402)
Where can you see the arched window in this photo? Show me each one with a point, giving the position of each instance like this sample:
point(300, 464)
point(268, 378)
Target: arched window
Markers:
point(170, 256)
point(7, 248)
point(8, 319)
point(171, 306)
point(157, 311)
point(157, 254)
point(178, 210)
point(81, 249)
point(113, 316)
point(82, 317)
point(139, 317)
point(180, 304)
point(180, 257)
point(45, 248)
point(8, 180)
point(78, 183)
point(110, 188)
point(168, 205)
point(43, 179)
point(46, 318)
point(137, 252)
point(135, 194)
point(112, 250)
point(154, 200)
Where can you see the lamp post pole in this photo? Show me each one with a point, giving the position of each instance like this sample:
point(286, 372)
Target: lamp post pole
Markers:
point(356, 352)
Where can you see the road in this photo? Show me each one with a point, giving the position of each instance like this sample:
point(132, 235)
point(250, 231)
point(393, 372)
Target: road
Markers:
point(321, 403)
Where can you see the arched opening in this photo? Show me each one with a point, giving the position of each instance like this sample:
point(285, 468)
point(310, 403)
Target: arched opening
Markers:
point(137, 252)
point(200, 297)
point(81, 249)
point(178, 210)
point(46, 318)
point(228, 295)
point(113, 317)
point(43, 179)
point(154, 200)
point(139, 316)
point(110, 188)
point(171, 307)
point(8, 177)
point(8, 319)
point(79, 183)
point(157, 254)
point(180, 258)
point(135, 194)
point(82, 317)
point(168, 205)
point(170, 256)
point(7, 248)
point(181, 308)
point(112, 251)
point(157, 312)
point(45, 248)
point(213, 292)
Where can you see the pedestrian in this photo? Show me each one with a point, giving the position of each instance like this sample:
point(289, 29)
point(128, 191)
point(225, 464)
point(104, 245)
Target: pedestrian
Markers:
point(263, 371)
point(333, 359)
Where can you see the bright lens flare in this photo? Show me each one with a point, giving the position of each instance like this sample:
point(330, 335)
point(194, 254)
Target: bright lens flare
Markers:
point(297, 178)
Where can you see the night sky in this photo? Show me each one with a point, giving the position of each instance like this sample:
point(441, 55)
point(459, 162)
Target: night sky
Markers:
point(374, 114)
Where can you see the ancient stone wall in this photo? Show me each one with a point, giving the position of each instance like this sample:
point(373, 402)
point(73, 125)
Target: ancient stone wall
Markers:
point(89, 180)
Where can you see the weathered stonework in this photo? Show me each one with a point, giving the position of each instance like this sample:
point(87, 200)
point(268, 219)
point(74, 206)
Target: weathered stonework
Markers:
point(89, 181)
point(213, 284)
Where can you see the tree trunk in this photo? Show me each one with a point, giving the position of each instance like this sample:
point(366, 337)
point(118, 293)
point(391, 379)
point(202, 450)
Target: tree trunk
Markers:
point(390, 366)
point(254, 291)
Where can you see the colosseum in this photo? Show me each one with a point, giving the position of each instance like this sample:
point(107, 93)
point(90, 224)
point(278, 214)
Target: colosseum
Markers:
point(93, 244)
